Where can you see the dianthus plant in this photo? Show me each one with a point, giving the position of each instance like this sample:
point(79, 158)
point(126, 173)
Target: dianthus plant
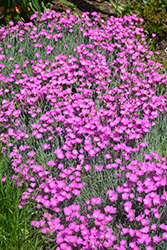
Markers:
point(76, 103)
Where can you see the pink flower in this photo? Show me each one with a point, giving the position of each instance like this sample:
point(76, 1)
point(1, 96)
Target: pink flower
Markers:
point(46, 146)
point(132, 196)
point(157, 215)
point(125, 196)
point(131, 215)
point(112, 195)
point(162, 226)
point(17, 66)
point(89, 207)
point(96, 201)
point(11, 58)
point(110, 209)
point(118, 175)
point(46, 203)
point(153, 227)
point(144, 222)
point(11, 23)
point(38, 135)
point(31, 153)
point(131, 232)
point(145, 229)
point(3, 179)
point(51, 163)
point(156, 239)
point(44, 230)
point(87, 167)
point(60, 154)
point(107, 156)
point(124, 231)
point(164, 236)
point(127, 206)
point(87, 202)
point(99, 168)
point(20, 50)
point(140, 217)
point(149, 248)
point(37, 54)
point(67, 211)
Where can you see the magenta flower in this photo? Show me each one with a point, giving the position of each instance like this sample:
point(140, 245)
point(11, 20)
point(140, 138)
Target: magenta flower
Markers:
point(59, 153)
point(112, 195)
point(144, 222)
point(125, 196)
point(127, 206)
point(46, 203)
point(3, 179)
point(87, 167)
point(45, 230)
point(9, 46)
point(51, 163)
point(22, 147)
point(67, 211)
point(11, 58)
point(46, 146)
point(164, 236)
point(38, 135)
point(99, 168)
point(110, 209)
point(11, 23)
point(20, 50)
point(153, 227)
point(37, 54)
point(89, 207)
point(31, 153)
point(156, 239)
point(149, 248)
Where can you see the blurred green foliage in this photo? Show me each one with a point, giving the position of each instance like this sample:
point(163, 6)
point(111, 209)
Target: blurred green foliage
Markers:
point(21, 10)
point(154, 13)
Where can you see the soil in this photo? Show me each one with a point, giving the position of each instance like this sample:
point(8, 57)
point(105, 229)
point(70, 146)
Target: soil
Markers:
point(105, 9)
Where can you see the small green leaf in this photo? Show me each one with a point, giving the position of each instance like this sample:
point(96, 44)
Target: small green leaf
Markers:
point(165, 2)
point(70, 5)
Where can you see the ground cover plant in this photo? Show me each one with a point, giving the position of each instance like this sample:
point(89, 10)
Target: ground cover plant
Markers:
point(81, 110)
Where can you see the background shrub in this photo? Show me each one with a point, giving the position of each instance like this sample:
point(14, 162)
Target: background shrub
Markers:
point(154, 13)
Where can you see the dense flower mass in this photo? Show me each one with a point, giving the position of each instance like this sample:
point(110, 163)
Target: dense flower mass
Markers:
point(77, 104)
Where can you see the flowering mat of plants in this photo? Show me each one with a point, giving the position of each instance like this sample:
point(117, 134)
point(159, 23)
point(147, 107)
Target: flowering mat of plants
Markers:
point(83, 111)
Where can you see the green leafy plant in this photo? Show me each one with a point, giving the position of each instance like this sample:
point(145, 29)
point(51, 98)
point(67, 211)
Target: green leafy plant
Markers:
point(16, 10)
point(70, 5)
point(165, 2)
point(15, 229)
point(154, 13)
point(165, 65)
point(118, 8)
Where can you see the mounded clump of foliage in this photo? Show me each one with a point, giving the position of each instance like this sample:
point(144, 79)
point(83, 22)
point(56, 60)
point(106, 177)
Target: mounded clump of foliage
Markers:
point(77, 107)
